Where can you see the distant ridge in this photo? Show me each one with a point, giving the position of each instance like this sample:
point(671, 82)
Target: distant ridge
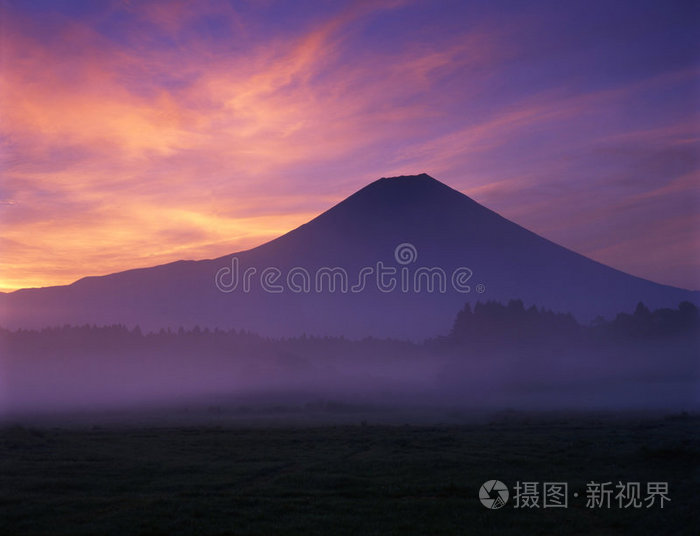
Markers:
point(447, 230)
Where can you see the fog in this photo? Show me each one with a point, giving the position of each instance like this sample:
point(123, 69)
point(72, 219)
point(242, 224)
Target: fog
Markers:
point(482, 365)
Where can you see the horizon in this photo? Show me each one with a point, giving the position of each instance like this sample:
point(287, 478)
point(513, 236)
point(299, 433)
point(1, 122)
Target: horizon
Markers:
point(577, 123)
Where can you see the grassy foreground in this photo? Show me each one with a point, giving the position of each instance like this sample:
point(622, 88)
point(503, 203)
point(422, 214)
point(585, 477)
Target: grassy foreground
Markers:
point(349, 479)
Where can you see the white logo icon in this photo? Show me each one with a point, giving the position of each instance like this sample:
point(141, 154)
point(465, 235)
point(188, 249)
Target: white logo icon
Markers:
point(405, 253)
point(493, 494)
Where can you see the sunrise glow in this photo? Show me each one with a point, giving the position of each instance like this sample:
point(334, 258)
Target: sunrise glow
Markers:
point(139, 133)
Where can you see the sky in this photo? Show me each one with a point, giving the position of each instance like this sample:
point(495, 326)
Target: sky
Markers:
point(135, 133)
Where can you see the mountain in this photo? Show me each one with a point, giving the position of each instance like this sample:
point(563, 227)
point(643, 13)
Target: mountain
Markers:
point(444, 236)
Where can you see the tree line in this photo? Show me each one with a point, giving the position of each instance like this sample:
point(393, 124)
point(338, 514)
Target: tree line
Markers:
point(486, 323)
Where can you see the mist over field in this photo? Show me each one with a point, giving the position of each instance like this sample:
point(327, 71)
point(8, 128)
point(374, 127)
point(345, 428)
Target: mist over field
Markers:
point(493, 358)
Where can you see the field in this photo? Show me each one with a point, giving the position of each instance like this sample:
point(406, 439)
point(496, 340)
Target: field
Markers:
point(359, 478)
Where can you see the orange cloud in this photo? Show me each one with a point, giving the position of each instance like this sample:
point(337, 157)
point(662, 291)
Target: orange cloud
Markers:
point(162, 143)
point(109, 169)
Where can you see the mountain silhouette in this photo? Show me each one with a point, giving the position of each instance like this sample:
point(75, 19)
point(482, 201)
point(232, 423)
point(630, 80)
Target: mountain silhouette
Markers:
point(441, 229)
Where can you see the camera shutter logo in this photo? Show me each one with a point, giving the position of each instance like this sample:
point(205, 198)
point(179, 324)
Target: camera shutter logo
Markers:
point(493, 494)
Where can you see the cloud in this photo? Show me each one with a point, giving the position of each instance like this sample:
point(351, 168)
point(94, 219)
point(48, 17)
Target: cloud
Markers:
point(146, 132)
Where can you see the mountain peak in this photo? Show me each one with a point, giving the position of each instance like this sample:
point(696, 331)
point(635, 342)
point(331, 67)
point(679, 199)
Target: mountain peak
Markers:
point(391, 194)
point(421, 180)
point(420, 176)
point(417, 186)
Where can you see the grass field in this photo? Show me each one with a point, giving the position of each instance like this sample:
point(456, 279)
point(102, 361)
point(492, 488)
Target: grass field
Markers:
point(344, 479)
